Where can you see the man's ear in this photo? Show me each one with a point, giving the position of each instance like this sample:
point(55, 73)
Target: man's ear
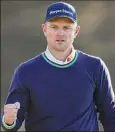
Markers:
point(44, 29)
point(77, 31)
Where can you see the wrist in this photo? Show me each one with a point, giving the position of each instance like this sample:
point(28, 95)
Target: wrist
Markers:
point(7, 124)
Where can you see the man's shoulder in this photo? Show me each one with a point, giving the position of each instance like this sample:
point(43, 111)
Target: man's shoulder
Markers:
point(30, 63)
point(90, 60)
point(89, 57)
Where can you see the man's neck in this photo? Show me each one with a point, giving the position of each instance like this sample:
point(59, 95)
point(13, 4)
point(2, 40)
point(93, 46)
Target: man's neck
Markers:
point(61, 55)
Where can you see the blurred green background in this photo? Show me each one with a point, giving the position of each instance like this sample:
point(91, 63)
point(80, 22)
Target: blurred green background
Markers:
point(22, 37)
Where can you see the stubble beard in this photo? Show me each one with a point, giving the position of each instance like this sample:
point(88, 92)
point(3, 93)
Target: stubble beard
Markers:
point(60, 47)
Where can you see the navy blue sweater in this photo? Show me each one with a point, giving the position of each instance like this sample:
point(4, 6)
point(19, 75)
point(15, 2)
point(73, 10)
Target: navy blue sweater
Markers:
point(55, 97)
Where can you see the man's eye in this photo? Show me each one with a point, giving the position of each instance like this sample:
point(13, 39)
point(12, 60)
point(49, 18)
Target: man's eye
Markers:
point(66, 28)
point(53, 27)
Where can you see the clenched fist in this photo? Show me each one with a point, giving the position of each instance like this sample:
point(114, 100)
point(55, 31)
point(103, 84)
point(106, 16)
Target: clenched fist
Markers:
point(10, 112)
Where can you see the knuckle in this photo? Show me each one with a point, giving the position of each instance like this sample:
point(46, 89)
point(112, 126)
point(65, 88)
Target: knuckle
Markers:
point(9, 106)
point(10, 115)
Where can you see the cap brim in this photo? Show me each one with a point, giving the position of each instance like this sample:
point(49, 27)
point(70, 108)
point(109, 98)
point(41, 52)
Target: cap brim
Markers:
point(61, 16)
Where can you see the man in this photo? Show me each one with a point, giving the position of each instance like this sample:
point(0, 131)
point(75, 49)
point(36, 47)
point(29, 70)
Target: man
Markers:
point(62, 89)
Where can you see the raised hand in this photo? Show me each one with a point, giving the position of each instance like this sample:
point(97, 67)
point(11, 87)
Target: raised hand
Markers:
point(10, 112)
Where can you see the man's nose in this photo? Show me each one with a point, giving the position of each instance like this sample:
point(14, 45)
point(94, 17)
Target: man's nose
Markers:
point(61, 32)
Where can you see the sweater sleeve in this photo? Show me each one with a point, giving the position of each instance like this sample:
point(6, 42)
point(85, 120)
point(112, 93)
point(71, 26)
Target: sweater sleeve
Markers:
point(17, 93)
point(105, 98)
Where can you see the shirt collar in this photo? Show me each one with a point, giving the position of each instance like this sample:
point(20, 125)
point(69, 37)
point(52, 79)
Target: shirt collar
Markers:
point(53, 59)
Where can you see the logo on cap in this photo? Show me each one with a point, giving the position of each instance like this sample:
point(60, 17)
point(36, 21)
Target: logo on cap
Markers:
point(59, 11)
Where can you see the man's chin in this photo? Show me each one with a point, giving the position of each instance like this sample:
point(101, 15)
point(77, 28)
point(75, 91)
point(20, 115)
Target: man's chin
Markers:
point(61, 48)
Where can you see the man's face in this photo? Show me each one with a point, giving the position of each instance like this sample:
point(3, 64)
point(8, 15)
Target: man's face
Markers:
point(60, 33)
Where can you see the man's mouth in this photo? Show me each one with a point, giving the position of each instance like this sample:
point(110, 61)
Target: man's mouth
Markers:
point(60, 40)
